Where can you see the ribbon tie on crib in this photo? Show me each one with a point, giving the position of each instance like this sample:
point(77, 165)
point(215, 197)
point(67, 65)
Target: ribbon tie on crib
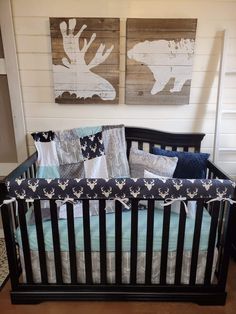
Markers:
point(170, 201)
point(66, 200)
point(9, 201)
point(219, 199)
point(123, 201)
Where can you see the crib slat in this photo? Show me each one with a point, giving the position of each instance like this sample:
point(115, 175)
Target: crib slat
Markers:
point(40, 239)
point(71, 240)
point(87, 242)
point(186, 148)
point(103, 244)
point(180, 245)
point(118, 242)
point(149, 242)
point(134, 241)
point(163, 146)
point(56, 241)
point(165, 242)
point(151, 146)
point(22, 209)
point(140, 145)
point(196, 241)
point(211, 243)
point(129, 144)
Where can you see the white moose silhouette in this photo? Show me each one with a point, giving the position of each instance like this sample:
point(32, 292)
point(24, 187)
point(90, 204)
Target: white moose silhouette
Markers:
point(163, 58)
point(75, 75)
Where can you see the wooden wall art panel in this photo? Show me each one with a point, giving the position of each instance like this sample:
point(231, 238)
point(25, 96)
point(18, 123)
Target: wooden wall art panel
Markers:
point(159, 60)
point(85, 57)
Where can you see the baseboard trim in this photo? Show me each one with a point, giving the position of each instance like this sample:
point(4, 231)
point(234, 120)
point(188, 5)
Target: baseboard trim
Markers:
point(1, 233)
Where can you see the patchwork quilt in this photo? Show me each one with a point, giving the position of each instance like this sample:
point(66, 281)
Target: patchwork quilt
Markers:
point(96, 152)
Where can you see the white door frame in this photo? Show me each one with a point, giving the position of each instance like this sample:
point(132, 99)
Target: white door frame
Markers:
point(13, 77)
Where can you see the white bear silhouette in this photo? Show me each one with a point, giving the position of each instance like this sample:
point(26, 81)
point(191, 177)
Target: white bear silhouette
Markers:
point(166, 59)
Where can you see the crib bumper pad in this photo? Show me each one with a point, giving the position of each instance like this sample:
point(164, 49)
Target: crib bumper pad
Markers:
point(140, 188)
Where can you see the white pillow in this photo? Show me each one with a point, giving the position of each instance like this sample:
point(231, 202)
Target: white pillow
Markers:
point(175, 207)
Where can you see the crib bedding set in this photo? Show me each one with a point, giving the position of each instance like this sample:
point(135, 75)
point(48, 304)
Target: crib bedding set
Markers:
point(92, 164)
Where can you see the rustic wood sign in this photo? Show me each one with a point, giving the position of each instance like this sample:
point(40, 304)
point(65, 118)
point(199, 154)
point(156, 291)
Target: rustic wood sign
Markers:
point(159, 60)
point(85, 57)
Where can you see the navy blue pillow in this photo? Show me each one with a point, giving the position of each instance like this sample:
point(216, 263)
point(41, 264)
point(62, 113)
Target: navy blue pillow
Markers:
point(189, 166)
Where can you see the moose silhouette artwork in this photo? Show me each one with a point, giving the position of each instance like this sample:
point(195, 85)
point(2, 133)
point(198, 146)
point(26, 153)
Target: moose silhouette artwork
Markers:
point(75, 75)
point(163, 58)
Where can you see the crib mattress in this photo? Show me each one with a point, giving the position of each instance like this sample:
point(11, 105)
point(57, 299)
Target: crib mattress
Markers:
point(126, 232)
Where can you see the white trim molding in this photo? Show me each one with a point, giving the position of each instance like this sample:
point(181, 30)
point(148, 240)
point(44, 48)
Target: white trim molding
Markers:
point(2, 67)
point(13, 77)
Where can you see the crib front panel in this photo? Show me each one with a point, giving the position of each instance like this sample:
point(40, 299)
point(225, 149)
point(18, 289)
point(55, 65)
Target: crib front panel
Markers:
point(160, 267)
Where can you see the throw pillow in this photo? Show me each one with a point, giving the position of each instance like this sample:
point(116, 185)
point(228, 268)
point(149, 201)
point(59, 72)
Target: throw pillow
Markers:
point(189, 166)
point(140, 160)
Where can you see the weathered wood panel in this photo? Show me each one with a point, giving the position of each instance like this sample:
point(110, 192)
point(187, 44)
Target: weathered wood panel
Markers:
point(159, 60)
point(81, 48)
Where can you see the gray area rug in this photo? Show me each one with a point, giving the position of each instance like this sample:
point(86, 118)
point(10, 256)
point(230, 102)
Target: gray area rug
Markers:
point(4, 272)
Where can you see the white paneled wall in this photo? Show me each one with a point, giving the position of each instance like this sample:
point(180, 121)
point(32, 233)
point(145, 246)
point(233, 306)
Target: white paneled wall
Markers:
point(31, 22)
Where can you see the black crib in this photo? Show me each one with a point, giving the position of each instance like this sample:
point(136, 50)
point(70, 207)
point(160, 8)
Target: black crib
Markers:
point(207, 293)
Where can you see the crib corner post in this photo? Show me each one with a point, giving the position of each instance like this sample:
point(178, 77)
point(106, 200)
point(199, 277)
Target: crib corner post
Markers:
point(223, 271)
point(10, 245)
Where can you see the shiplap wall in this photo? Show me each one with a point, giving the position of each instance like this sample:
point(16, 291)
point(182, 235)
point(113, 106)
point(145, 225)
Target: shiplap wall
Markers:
point(31, 22)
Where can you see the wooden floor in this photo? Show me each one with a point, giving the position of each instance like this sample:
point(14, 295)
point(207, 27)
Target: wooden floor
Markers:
point(83, 307)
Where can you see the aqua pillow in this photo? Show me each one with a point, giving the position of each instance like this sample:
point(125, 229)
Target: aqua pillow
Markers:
point(189, 166)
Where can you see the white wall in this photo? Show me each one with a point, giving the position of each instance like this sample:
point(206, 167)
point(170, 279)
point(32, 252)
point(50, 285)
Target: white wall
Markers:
point(31, 22)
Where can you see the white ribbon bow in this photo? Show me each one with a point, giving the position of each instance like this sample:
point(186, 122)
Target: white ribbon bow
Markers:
point(123, 201)
point(172, 200)
point(219, 199)
point(66, 200)
point(9, 201)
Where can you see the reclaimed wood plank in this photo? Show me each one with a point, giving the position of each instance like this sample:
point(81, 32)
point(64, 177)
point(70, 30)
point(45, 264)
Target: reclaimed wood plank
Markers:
point(79, 47)
point(161, 50)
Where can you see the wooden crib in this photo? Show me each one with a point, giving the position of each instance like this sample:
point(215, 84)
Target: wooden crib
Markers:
point(209, 288)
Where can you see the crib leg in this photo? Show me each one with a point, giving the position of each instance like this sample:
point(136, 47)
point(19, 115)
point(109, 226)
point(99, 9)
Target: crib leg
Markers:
point(19, 299)
point(220, 299)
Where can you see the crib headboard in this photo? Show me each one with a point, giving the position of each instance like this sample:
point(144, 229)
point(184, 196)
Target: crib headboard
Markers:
point(166, 140)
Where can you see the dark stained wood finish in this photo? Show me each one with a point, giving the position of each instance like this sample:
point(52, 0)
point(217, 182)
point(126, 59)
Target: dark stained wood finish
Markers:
point(41, 243)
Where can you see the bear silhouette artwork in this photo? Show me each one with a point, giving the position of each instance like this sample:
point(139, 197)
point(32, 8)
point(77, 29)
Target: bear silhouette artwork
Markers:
point(166, 59)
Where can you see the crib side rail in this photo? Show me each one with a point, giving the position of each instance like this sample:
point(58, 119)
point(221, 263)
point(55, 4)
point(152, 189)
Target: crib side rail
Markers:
point(213, 171)
point(26, 170)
